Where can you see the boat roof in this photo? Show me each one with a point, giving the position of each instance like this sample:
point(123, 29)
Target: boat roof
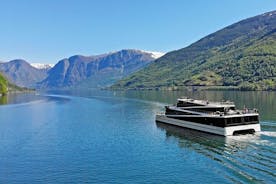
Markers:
point(207, 103)
point(250, 113)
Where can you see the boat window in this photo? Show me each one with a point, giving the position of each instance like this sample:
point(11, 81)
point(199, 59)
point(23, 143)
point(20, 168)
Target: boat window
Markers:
point(237, 120)
point(246, 119)
point(255, 118)
point(229, 121)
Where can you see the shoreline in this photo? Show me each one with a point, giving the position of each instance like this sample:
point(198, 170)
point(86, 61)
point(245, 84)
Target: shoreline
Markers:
point(189, 88)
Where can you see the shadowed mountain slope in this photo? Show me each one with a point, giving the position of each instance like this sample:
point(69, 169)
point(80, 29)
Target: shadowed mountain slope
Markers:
point(96, 71)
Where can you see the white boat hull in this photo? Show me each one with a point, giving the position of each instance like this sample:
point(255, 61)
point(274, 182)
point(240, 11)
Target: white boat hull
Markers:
point(226, 131)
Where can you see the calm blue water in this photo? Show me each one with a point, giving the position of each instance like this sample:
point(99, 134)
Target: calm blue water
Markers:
point(111, 137)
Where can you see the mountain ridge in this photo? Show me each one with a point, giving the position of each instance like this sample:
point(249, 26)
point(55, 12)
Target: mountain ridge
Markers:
point(37, 75)
point(104, 68)
point(21, 73)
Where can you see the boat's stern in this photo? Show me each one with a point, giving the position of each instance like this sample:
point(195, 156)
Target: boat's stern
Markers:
point(242, 129)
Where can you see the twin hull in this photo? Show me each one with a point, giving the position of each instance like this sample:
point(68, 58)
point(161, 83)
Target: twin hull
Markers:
point(225, 131)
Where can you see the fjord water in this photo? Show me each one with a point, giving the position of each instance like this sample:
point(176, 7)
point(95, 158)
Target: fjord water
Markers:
point(112, 137)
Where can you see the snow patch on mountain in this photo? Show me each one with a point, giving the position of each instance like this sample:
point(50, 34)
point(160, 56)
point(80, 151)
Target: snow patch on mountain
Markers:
point(42, 65)
point(154, 54)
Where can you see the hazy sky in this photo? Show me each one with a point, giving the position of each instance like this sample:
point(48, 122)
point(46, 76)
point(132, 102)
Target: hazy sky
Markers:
point(49, 30)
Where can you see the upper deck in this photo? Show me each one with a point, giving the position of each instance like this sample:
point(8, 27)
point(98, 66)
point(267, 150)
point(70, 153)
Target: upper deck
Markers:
point(188, 102)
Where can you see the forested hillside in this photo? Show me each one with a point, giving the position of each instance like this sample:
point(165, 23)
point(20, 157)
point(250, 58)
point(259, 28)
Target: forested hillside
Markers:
point(3, 85)
point(242, 55)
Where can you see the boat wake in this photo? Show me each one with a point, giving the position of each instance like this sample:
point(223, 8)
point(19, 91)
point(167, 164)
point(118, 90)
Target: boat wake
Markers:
point(268, 133)
point(268, 123)
point(234, 156)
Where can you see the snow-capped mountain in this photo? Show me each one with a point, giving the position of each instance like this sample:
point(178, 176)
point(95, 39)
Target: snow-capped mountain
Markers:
point(21, 73)
point(90, 71)
point(42, 65)
point(154, 54)
point(99, 70)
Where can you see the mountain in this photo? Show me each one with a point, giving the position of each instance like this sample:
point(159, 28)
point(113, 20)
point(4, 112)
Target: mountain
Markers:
point(97, 71)
point(22, 73)
point(241, 55)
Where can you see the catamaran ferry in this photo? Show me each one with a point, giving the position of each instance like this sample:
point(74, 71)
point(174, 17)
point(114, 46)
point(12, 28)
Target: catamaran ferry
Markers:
point(220, 118)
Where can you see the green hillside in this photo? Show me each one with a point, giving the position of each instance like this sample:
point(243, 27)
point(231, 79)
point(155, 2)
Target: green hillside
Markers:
point(6, 87)
point(242, 55)
point(3, 85)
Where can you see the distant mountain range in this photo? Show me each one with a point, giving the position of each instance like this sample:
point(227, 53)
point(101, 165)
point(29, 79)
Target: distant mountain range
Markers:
point(242, 55)
point(96, 71)
point(78, 71)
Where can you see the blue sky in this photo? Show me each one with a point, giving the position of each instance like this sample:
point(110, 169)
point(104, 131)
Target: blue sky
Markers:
point(49, 30)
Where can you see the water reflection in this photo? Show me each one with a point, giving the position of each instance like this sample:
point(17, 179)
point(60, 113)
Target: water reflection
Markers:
point(235, 156)
point(31, 97)
point(262, 100)
point(15, 98)
point(57, 98)
point(189, 138)
point(3, 100)
point(37, 136)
